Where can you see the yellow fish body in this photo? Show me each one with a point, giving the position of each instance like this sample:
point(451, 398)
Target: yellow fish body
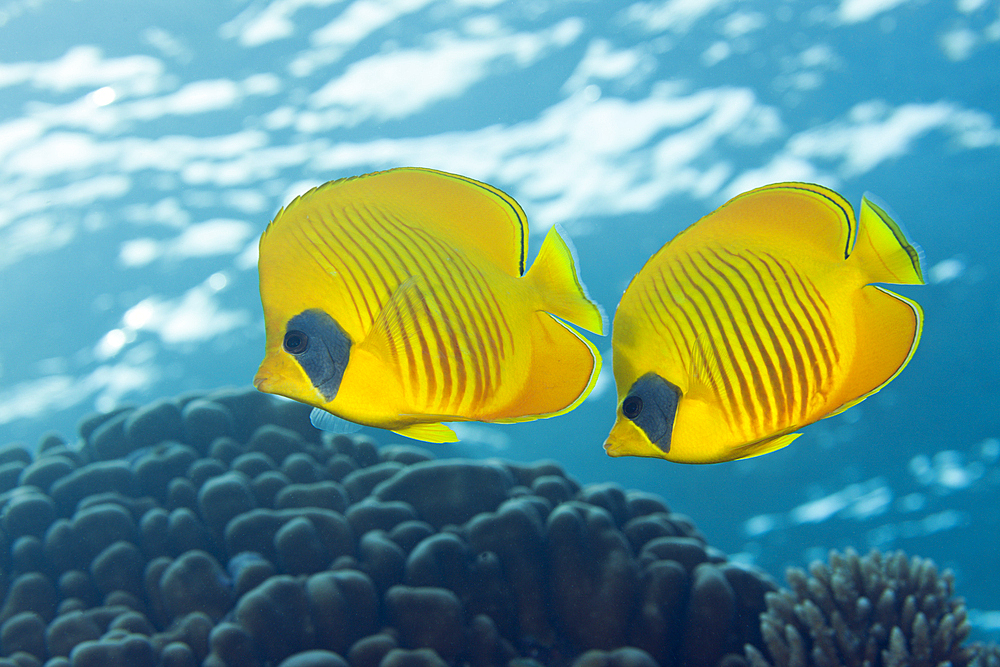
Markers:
point(399, 300)
point(757, 320)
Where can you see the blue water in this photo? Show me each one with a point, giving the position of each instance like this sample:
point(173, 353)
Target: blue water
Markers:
point(145, 145)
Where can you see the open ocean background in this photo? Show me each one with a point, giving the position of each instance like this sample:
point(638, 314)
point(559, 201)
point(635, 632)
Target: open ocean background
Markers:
point(144, 145)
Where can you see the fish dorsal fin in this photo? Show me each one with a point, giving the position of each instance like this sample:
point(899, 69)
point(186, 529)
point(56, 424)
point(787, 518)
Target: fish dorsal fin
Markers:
point(427, 432)
point(804, 218)
point(457, 209)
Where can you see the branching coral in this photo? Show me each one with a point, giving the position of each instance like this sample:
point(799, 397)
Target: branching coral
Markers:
point(872, 611)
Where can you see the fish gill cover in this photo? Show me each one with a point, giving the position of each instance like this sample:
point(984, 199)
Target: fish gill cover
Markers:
point(146, 145)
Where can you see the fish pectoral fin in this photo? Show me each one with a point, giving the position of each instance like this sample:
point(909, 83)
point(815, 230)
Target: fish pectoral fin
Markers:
point(433, 432)
point(767, 446)
point(400, 318)
point(708, 370)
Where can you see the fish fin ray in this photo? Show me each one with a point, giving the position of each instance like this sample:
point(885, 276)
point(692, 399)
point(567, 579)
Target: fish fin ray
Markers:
point(427, 432)
point(564, 295)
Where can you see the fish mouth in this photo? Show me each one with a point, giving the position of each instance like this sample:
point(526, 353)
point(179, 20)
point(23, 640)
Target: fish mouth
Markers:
point(263, 382)
point(612, 448)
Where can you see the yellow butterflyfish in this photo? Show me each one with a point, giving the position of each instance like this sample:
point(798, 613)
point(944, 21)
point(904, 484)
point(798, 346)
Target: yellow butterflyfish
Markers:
point(400, 300)
point(757, 320)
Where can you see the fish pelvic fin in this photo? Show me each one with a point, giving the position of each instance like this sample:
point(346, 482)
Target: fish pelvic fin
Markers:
point(765, 446)
point(883, 249)
point(554, 275)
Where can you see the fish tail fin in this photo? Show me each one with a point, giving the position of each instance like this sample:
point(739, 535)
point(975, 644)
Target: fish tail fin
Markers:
point(883, 249)
point(564, 295)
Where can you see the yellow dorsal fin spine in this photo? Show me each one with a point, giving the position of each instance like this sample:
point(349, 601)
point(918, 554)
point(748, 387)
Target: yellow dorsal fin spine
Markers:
point(883, 249)
point(554, 275)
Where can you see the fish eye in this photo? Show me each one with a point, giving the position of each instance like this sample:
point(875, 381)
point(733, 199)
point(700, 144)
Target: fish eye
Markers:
point(296, 342)
point(632, 406)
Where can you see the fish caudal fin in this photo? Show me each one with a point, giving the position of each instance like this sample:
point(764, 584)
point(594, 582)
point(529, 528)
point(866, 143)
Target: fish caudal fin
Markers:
point(883, 249)
point(554, 275)
point(888, 331)
point(563, 371)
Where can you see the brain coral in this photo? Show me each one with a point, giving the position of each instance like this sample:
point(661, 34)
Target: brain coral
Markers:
point(222, 530)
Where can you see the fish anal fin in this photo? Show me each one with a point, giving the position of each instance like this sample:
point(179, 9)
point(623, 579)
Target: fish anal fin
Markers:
point(427, 432)
point(888, 330)
point(563, 370)
point(766, 446)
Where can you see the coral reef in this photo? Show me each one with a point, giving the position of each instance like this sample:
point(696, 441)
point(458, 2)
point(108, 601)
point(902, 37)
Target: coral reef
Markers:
point(222, 530)
point(880, 610)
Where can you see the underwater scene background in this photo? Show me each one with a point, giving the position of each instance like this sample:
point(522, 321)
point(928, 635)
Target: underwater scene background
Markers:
point(145, 145)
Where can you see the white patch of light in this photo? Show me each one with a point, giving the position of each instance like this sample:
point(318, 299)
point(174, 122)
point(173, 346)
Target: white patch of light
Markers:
point(989, 451)
point(481, 434)
point(359, 20)
point(195, 316)
point(247, 259)
point(106, 384)
point(138, 252)
point(741, 23)
point(762, 524)
point(946, 270)
point(603, 62)
point(674, 15)
point(985, 620)
point(715, 54)
point(167, 44)
point(876, 134)
point(86, 67)
point(213, 237)
point(857, 11)
point(411, 80)
point(857, 501)
point(958, 44)
point(256, 26)
point(946, 471)
point(873, 503)
point(218, 281)
point(628, 156)
point(104, 96)
point(205, 239)
point(605, 379)
point(969, 6)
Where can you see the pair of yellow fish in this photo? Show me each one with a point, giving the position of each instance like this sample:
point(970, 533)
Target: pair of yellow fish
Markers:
point(400, 300)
